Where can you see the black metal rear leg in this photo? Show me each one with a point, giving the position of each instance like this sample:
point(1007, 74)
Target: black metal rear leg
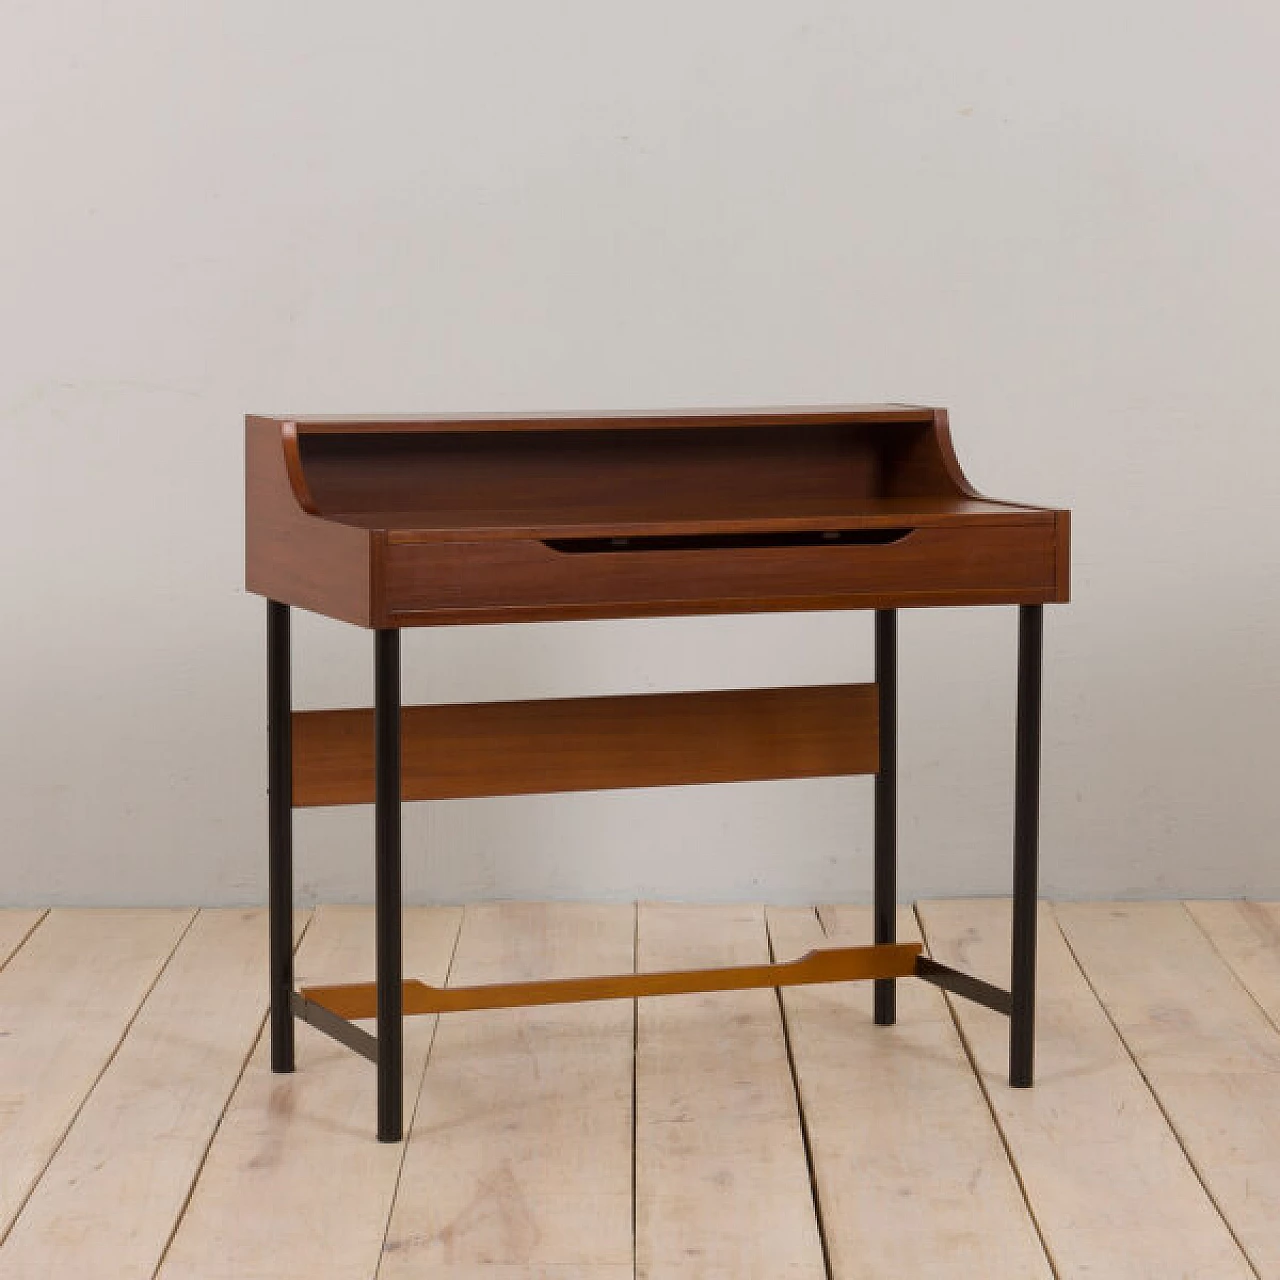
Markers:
point(387, 921)
point(1026, 840)
point(886, 802)
point(280, 834)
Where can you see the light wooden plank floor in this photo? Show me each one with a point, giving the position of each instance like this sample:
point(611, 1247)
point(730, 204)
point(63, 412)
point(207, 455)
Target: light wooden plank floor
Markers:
point(519, 1159)
point(911, 1174)
point(742, 1134)
point(722, 1184)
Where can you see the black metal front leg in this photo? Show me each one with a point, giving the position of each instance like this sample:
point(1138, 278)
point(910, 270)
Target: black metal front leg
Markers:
point(1026, 842)
point(886, 802)
point(387, 921)
point(280, 835)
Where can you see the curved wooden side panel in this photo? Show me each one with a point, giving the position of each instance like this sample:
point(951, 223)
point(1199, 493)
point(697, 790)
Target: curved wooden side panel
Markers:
point(290, 555)
point(295, 470)
point(947, 454)
point(927, 464)
point(921, 461)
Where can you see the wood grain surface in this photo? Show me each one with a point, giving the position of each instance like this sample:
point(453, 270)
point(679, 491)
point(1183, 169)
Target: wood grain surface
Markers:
point(722, 1185)
point(582, 744)
point(295, 1185)
point(421, 521)
point(519, 1158)
point(911, 1176)
point(1112, 1190)
point(67, 998)
point(1204, 1044)
point(115, 1049)
point(829, 964)
point(141, 1136)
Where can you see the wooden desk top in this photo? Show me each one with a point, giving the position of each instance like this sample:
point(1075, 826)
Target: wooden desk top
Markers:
point(428, 520)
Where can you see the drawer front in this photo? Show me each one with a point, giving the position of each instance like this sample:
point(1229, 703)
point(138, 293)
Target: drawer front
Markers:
point(977, 564)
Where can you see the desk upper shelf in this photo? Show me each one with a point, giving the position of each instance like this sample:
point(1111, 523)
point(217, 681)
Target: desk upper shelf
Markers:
point(430, 520)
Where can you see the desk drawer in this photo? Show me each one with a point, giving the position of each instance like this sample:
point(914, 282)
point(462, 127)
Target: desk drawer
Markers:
point(492, 580)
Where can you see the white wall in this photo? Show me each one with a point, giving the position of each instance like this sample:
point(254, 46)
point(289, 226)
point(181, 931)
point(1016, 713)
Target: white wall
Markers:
point(1060, 221)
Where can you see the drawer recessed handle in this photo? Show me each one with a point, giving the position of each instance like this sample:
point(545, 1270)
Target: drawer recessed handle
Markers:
point(728, 541)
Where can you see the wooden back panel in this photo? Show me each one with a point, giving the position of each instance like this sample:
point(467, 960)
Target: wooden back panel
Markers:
point(515, 481)
point(588, 744)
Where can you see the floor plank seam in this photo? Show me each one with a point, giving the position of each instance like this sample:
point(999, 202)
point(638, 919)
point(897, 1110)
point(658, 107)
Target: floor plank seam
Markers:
point(983, 1088)
point(1168, 1119)
point(22, 941)
point(804, 1123)
point(1231, 969)
point(213, 1133)
point(413, 1114)
point(635, 1099)
point(106, 1066)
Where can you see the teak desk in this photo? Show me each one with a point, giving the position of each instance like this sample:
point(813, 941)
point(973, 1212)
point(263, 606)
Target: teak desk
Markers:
point(429, 521)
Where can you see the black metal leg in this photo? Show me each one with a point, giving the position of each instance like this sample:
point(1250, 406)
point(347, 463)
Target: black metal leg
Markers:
point(886, 821)
point(387, 920)
point(280, 834)
point(1026, 841)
